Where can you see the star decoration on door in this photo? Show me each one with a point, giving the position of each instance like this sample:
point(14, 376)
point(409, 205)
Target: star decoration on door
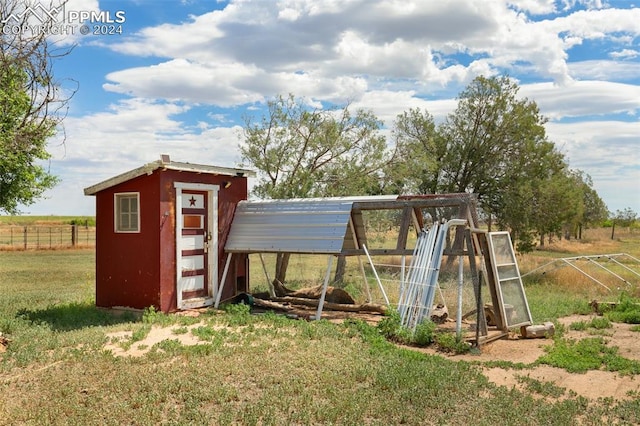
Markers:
point(192, 201)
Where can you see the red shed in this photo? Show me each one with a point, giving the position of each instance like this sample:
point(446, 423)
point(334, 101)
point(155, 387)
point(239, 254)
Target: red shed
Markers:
point(161, 230)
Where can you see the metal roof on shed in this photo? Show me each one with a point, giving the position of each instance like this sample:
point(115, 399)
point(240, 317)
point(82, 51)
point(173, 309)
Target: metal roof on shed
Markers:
point(168, 165)
point(302, 225)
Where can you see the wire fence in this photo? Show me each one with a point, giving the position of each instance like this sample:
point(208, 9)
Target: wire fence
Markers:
point(36, 237)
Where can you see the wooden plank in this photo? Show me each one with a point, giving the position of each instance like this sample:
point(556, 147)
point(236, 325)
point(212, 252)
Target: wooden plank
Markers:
point(271, 305)
point(377, 252)
point(491, 281)
point(397, 205)
point(493, 336)
point(404, 228)
point(365, 307)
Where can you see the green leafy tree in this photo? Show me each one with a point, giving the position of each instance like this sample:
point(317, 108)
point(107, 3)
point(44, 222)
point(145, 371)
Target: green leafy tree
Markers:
point(303, 152)
point(422, 150)
point(32, 106)
point(492, 137)
point(21, 179)
point(625, 217)
point(494, 145)
point(557, 202)
point(306, 152)
point(593, 212)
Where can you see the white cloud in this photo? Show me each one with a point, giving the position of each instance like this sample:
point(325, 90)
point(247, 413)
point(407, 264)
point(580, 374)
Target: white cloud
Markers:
point(625, 54)
point(583, 98)
point(396, 41)
point(608, 152)
point(605, 70)
point(133, 133)
point(535, 7)
point(180, 79)
point(387, 56)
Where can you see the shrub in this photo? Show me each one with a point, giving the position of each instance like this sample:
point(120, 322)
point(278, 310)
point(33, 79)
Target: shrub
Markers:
point(391, 329)
point(238, 314)
point(424, 333)
point(449, 342)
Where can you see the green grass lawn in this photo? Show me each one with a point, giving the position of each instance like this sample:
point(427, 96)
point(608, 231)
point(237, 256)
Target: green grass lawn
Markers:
point(253, 370)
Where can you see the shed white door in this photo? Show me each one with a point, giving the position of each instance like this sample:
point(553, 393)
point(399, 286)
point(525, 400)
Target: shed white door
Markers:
point(196, 245)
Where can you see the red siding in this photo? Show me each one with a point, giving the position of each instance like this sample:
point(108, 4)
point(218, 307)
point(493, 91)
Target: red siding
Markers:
point(127, 263)
point(139, 270)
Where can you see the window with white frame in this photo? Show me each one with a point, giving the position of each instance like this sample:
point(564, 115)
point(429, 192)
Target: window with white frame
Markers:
point(127, 212)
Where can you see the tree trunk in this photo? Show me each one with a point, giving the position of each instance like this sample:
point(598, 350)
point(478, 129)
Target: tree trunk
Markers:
point(456, 244)
point(541, 240)
point(341, 267)
point(282, 263)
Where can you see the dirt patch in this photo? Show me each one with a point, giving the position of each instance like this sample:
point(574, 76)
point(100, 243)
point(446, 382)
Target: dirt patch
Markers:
point(118, 342)
point(592, 384)
point(156, 335)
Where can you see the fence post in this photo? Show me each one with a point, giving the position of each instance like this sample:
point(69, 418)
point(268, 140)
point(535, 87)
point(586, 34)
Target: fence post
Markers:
point(613, 228)
point(25, 237)
point(74, 235)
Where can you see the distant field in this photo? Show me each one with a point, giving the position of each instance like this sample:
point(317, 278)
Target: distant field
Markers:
point(47, 220)
point(46, 232)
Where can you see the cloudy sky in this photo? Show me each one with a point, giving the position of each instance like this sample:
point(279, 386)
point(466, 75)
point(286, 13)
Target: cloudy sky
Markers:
point(176, 77)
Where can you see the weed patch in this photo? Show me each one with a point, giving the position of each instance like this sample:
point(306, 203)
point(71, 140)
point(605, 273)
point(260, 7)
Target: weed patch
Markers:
point(587, 354)
point(597, 323)
point(546, 389)
point(626, 311)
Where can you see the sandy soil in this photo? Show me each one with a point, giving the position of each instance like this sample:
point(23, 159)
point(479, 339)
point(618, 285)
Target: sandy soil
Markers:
point(592, 384)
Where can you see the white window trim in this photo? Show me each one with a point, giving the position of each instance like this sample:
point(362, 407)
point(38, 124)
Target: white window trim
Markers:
point(116, 213)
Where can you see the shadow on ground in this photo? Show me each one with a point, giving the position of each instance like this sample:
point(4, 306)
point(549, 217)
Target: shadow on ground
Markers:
point(75, 316)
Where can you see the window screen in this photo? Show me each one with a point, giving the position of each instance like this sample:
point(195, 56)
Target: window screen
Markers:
point(127, 212)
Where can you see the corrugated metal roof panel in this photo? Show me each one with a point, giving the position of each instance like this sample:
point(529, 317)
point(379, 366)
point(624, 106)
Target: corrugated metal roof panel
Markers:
point(290, 226)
